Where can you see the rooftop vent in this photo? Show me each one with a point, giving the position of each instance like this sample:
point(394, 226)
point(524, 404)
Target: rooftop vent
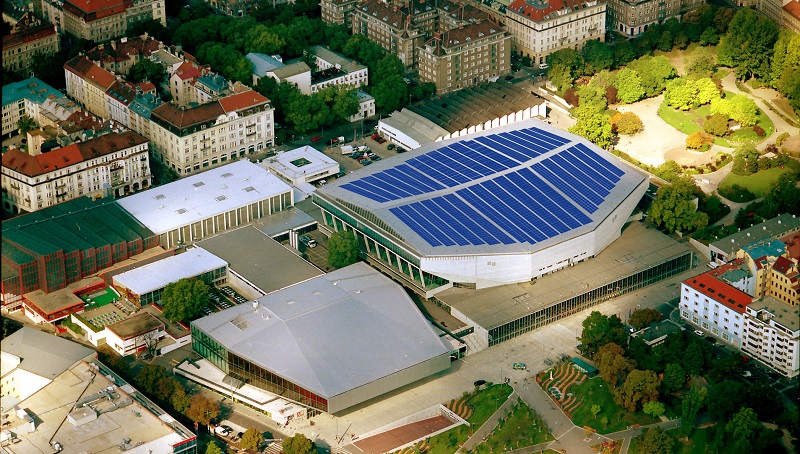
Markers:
point(198, 184)
point(181, 210)
point(227, 174)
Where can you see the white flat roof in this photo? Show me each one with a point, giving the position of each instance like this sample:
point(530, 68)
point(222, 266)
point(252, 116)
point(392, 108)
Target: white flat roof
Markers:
point(157, 275)
point(201, 196)
point(300, 162)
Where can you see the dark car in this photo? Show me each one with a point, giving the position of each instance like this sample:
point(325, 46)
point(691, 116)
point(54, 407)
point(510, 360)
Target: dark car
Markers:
point(316, 139)
point(401, 150)
point(391, 146)
point(375, 136)
point(479, 383)
point(509, 77)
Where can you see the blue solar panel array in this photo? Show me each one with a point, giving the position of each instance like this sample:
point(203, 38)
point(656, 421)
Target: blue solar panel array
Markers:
point(527, 205)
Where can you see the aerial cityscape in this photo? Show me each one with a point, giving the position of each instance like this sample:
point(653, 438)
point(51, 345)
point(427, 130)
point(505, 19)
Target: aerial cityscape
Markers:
point(400, 227)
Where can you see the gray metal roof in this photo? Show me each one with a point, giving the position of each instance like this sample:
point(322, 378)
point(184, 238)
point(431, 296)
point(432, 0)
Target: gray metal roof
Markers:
point(157, 275)
point(330, 334)
point(43, 354)
point(769, 229)
point(405, 233)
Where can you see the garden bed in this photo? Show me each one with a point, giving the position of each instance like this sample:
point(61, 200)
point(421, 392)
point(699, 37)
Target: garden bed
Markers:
point(521, 427)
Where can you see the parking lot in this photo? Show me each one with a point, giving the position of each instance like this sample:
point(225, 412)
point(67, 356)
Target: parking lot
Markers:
point(350, 164)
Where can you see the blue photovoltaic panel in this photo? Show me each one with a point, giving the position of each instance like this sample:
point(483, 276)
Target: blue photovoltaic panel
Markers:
point(399, 189)
point(428, 219)
point(568, 190)
point(353, 187)
point(472, 215)
point(419, 177)
point(442, 157)
point(529, 149)
point(480, 163)
point(574, 181)
point(493, 157)
point(513, 210)
point(540, 190)
point(513, 154)
point(544, 136)
point(593, 180)
point(427, 236)
point(541, 208)
point(593, 157)
point(462, 236)
point(496, 217)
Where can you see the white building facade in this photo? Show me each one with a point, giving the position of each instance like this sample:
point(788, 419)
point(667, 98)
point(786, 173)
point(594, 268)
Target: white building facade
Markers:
point(772, 335)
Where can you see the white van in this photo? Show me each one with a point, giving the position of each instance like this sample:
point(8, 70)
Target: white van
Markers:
point(347, 149)
point(543, 66)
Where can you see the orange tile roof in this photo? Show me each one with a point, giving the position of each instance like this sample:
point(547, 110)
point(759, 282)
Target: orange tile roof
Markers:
point(709, 284)
point(187, 71)
point(537, 9)
point(242, 100)
point(793, 8)
point(184, 118)
point(27, 35)
point(87, 70)
point(96, 9)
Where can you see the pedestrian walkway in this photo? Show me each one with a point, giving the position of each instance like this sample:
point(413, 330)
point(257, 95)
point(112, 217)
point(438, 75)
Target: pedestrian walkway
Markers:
point(483, 431)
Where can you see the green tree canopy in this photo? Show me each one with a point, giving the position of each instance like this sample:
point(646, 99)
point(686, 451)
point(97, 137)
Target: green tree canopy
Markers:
point(149, 377)
point(25, 124)
point(743, 428)
point(674, 207)
point(146, 70)
point(700, 63)
point(749, 44)
point(668, 171)
point(252, 439)
point(716, 124)
point(226, 59)
point(627, 123)
point(629, 86)
point(655, 440)
point(654, 73)
point(593, 125)
point(612, 363)
point(298, 444)
point(391, 93)
point(600, 329)
point(640, 387)
point(690, 405)
point(785, 69)
point(737, 107)
point(745, 160)
point(213, 448)
point(342, 249)
point(184, 300)
point(653, 408)
point(674, 378)
point(598, 56)
point(642, 318)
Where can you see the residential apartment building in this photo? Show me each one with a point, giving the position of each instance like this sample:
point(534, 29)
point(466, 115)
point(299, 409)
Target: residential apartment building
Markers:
point(87, 84)
point(101, 20)
point(116, 163)
point(465, 56)
point(237, 8)
point(118, 56)
point(785, 12)
point(337, 11)
point(335, 69)
point(715, 306)
point(632, 17)
point(29, 39)
point(25, 98)
point(775, 270)
point(366, 107)
point(197, 138)
point(541, 27)
point(393, 27)
point(181, 83)
point(772, 335)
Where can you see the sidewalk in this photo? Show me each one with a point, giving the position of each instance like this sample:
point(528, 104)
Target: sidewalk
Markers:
point(483, 431)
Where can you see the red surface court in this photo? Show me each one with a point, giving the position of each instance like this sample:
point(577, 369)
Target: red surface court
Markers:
point(392, 439)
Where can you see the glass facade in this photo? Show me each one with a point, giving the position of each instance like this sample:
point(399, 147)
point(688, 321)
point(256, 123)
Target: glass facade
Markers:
point(588, 299)
point(244, 370)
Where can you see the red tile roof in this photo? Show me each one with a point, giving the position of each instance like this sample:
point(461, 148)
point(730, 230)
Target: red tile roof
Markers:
point(708, 284)
point(27, 35)
point(71, 154)
point(87, 70)
point(184, 118)
point(242, 100)
point(91, 10)
point(782, 265)
point(117, 51)
point(146, 86)
point(469, 32)
point(793, 8)
point(187, 71)
point(537, 9)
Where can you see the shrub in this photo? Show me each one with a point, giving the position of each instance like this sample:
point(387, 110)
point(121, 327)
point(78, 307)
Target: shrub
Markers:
point(781, 138)
point(699, 141)
point(745, 160)
point(716, 124)
point(611, 95)
point(759, 130)
point(626, 123)
point(571, 97)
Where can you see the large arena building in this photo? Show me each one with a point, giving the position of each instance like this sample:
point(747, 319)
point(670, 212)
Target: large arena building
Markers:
point(498, 207)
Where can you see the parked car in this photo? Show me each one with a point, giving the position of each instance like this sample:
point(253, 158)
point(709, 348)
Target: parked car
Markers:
point(316, 139)
point(401, 150)
point(519, 366)
point(698, 332)
point(380, 140)
point(375, 136)
point(747, 374)
point(391, 146)
point(308, 241)
point(479, 383)
point(543, 66)
point(366, 162)
point(376, 158)
point(509, 77)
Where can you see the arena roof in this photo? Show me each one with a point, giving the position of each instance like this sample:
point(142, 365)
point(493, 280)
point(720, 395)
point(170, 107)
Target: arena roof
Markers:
point(158, 274)
point(524, 187)
point(330, 334)
point(42, 353)
point(201, 196)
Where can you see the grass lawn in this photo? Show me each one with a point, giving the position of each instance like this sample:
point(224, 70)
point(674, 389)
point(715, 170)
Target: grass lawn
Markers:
point(696, 445)
point(521, 427)
point(759, 183)
point(595, 391)
point(785, 108)
point(484, 404)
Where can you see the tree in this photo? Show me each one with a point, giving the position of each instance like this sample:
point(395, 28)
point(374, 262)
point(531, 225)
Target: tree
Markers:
point(213, 448)
point(595, 410)
point(149, 377)
point(745, 160)
point(626, 123)
point(391, 94)
point(345, 103)
point(642, 318)
point(655, 440)
point(737, 107)
point(640, 387)
point(612, 364)
point(690, 405)
point(252, 439)
point(25, 124)
point(180, 400)
point(785, 70)
point(668, 171)
point(202, 409)
point(709, 37)
point(654, 73)
point(693, 358)
point(674, 207)
point(717, 125)
point(594, 126)
point(743, 428)
point(298, 444)
point(150, 340)
point(674, 378)
point(629, 86)
point(342, 249)
point(152, 27)
point(184, 300)
point(568, 65)
point(653, 408)
point(226, 59)
point(699, 140)
point(598, 330)
point(784, 194)
point(597, 55)
point(749, 44)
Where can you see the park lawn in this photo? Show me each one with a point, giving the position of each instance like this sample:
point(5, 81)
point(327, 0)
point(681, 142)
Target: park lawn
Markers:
point(785, 108)
point(696, 445)
point(521, 428)
point(596, 392)
point(760, 182)
point(484, 404)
